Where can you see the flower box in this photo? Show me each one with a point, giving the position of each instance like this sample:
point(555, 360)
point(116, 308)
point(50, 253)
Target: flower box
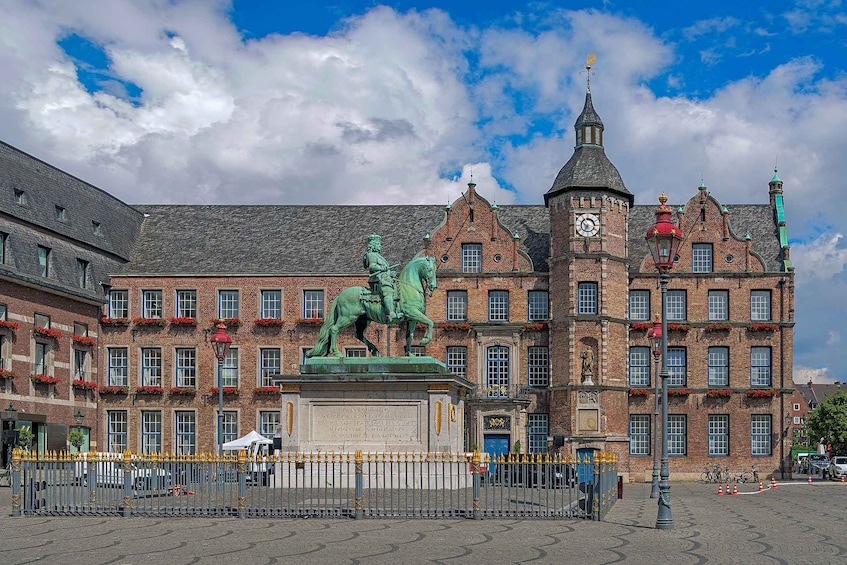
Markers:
point(762, 393)
point(183, 321)
point(678, 392)
point(114, 322)
point(149, 322)
point(679, 328)
point(8, 325)
point(42, 379)
point(769, 328)
point(7, 374)
point(269, 322)
point(455, 326)
point(84, 340)
point(717, 327)
point(719, 393)
point(47, 332)
point(182, 390)
point(535, 326)
point(114, 390)
point(85, 385)
point(639, 392)
point(639, 326)
point(310, 321)
point(234, 322)
point(150, 390)
point(266, 390)
point(228, 390)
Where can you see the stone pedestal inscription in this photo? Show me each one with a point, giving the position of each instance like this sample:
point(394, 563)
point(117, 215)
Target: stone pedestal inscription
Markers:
point(366, 423)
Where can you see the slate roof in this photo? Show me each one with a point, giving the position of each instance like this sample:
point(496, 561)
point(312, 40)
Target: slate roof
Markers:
point(818, 392)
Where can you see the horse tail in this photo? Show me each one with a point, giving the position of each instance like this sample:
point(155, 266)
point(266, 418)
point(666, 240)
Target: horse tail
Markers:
point(322, 345)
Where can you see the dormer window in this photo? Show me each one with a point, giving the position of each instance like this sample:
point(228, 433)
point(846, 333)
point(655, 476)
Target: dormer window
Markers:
point(20, 197)
point(95, 228)
point(61, 214)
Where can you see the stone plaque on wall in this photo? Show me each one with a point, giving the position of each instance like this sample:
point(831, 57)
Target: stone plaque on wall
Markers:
point(588, 420)
point(366, 423)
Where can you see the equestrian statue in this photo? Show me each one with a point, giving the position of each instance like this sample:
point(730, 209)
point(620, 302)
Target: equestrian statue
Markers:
point(391, 299)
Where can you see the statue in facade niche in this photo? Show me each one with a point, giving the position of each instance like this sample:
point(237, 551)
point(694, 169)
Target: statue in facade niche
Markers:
point(587, 363)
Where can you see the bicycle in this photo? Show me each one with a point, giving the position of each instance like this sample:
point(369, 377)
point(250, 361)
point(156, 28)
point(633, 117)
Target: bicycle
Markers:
point(6, 476)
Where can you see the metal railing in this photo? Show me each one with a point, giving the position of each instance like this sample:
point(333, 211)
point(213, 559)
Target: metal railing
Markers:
point(354, 485)
point(501, 392)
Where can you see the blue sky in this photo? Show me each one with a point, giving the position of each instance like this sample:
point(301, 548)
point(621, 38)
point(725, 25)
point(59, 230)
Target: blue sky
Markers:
point(216, 101)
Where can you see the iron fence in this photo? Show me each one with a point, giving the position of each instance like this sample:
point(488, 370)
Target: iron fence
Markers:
point(353, 485)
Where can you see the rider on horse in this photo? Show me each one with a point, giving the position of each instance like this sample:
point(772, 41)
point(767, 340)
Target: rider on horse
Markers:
point(381, 277)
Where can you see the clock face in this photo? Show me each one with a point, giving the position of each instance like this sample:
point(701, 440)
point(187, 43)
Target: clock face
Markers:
point(587, 225)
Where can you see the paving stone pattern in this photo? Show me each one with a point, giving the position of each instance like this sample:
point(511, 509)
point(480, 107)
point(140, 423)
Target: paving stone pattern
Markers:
point(797, 523)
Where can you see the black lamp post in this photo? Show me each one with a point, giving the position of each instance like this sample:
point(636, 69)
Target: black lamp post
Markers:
point(664, 239)
point(654, 336)
point(220, 345)
point(9, 435)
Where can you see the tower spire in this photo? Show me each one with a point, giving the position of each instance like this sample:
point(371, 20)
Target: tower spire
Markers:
point(589, 62)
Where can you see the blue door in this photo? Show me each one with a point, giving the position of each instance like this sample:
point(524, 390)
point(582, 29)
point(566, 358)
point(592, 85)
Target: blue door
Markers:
point(495, 445)
point(585, 471)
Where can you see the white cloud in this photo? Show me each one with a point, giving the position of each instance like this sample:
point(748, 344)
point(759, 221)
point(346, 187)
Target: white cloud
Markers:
point(803, 375)
point(821, 258)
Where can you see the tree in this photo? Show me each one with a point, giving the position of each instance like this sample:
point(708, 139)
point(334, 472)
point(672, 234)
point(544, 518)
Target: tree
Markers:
point(828, 422)
point(76, 438)
point(25, 437)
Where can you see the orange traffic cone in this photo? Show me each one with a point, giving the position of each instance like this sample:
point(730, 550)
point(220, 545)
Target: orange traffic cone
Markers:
point(735, 490)
point(720, 490)
point(773, 482)
point(761, 486)
point(809, 479)
point(727, 488)
point(842, 478)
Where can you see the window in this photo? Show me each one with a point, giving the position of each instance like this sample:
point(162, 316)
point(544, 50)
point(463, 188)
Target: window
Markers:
point(497, 371)
point(269, 423)
point(116, 431)
point(718, 305)
point(677, 308)
point(186, 367)
point(229, 369)
point(82, 273)
point(587, 298)
point(118, 303)
point(118, 367)
point(44, 260)
point(4, 312)
point(271, 307)
point(151, 431)
point(41, 320)
point(80, 358)
point(538, 306)
point(151, 303)
point(701, 258)
point(20, 197)
point(760, 305)
point(536, 430)
point(41, 366)
point(639, 305)
point(186, 304)
point(229, 426)
point(796, 406)
point(471, 258)
point(95, 228)
point(639, 434)
point(61, 214)
point(417, 351)
point(498, 306)
point(677, 366)
point(186, 432)
point(3, 238)
point(313, 304)
point(271, 361)
point(718, 366)
point(796, 420)
point(676, 434)
point(639, 366)
point(151, 366)
point(457, 361)
point(718, 434)
point(228, 304)
point(538, 366)
point(355, 352)
point(80, 329)
point(760, 366)
point(760, 434)
point(457, 305)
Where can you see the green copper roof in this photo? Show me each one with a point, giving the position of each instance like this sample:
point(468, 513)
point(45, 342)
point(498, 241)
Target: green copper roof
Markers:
point(775, 177)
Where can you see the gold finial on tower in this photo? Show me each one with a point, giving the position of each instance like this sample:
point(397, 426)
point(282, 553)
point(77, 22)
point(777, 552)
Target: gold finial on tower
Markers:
point(589, 62)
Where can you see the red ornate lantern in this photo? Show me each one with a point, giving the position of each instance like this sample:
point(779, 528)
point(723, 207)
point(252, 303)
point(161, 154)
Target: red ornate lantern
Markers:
point(654, 336)
point(664, 237)
point(220, 342)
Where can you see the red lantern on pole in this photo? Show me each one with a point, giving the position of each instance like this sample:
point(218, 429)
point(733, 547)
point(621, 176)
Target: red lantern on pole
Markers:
point(664, 237)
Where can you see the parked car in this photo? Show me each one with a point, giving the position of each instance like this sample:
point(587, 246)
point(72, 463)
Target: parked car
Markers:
point(838, 467)
point(817, 463)
point(110, 473)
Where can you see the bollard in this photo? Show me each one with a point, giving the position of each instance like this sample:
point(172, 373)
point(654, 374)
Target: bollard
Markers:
point(620, 487)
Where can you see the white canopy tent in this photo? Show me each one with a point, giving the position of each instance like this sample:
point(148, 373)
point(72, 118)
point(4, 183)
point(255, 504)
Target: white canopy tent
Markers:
point(246, 441)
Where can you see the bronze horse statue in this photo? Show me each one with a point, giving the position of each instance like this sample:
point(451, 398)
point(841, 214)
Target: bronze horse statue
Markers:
point(358, 305)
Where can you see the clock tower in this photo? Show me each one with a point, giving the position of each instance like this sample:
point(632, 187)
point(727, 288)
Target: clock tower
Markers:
point(589, 207)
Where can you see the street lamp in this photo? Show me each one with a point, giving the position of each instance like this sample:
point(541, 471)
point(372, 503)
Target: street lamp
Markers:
point(220, 345)
point(654, 336)
point(664, 239)
point(9, 435)
point(78, 419)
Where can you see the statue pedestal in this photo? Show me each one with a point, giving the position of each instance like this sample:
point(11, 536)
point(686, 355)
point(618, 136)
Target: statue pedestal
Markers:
point(376, 404)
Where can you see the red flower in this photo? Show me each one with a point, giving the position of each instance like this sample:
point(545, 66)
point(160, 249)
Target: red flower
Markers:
point(149, 322)
point(8, 324)
point(640, 326)
point(7, 374)
point(678, 392)
point(183, 321)
point(638, 392)
point(150, 390)
point(717, 327)
point(268, 322)
point(460, 326)
point(41, 378)
point(47, 332)
point(535, 326)
point(87, 385)
point(84, 340)
point(114, 390)
point(719, 393)
point(762, 393)
point(232, 390)
point(266, 390)
point(763, 327)
point(182, 390)
point(104, 321)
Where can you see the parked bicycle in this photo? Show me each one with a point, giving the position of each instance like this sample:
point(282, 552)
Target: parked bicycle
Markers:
point(714, 473)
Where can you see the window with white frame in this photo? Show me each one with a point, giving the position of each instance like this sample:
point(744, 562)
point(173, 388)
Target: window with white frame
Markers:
point(471, 258)
point(80, 365)
point(760, 305)
point(457, 305)
point(497, 371)
point(796, 420)
point(587, 298)
point(271, 362)
point(639, 366)
point(718, 434)
point(151, 303)
point(677, 366)
point(186, 432)
point(313, 304)
point(41, 320)
point(271, 305)
point(118, 366)
point(269, 423)
point(538, 306)
point(639, 434)
point(4, 312)
point(676, 304)
point(228, 304)
point(760, 366)
point(118, 304)
point(701, 258)
point(229, 425)
point(538, 366)
point(718, 366)
point(498, 306)
point(760, 434)
point(355, 352)
point(151, 431)
point(796, 406)
point(417, 351)
point(186, 367)
point(44, 261)
point(457, 360)
point(186, 304)
point(151, 366)
point(41, 362)
point(677, 428)
point(639, 305)
point(718, 305)
point(80, 329)
point(537, 428)
point(229, 369)
point(82, 269)
point(116, 430)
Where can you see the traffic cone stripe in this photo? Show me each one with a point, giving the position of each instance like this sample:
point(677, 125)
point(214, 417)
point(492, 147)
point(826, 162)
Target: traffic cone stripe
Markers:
point(773, 482)
point(720, 490)
point(735, 490)
point(761, 486)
